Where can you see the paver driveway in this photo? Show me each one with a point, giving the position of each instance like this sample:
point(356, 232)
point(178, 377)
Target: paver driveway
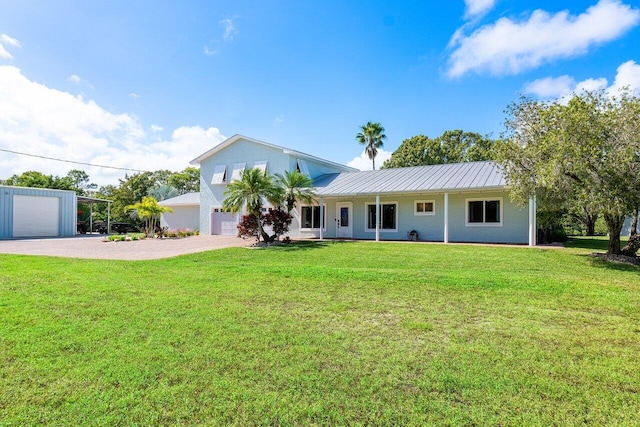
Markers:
point(93, 246)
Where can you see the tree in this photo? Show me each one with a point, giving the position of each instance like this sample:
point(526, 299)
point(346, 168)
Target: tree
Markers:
point(33, 179)
point(149, 211)
point(451, 147)
point(186, 181)
point(584, 151)
point(371, 136)
point(295, 186)
point(250, 191)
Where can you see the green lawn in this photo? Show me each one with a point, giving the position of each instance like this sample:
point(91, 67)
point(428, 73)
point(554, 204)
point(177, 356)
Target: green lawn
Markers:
point(325, 334)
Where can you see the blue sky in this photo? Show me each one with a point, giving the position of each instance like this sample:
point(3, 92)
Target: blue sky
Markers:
point(151, 85)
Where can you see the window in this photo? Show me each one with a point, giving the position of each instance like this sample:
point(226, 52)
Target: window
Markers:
point(486, 212)
point(303, 168)
point(238, 169)
point(389, 221)
point(310, 217)
point(219, 175)
point(262, 165)
point(424, 207)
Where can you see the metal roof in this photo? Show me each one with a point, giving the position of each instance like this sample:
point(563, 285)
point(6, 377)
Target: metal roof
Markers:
point(184, 199)
point(418, 179)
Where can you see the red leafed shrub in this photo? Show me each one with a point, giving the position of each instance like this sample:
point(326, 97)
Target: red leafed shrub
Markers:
point(277, 220)
point(248, 227)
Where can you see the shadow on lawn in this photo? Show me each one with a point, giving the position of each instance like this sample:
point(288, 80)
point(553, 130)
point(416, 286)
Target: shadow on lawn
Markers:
point(305, 245)
point(599, 244)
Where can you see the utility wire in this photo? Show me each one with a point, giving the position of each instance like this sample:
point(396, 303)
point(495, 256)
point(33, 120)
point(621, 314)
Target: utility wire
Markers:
point(71, 161)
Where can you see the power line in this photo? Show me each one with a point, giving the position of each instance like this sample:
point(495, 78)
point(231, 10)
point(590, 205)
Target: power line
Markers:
point(71, 161)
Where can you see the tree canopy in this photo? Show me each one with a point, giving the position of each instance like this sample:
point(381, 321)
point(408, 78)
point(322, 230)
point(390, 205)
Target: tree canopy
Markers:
point(584, 152)
point(452, 146)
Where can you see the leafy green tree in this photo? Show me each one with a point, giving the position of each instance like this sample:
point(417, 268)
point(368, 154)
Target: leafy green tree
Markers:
point(250, 191)
point(295, 186)
point(33, 179)
point(186, 181)
point(371, 135)
point(584, 151)
point(451, 147)
point(149, 211)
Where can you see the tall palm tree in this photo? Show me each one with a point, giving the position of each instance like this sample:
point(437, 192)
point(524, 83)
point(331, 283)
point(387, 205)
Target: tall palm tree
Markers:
point(253, 187)
point(371, 136)
point(295, 186)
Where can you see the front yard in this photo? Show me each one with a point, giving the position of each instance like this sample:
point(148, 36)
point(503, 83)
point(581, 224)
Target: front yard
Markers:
point(322, 333)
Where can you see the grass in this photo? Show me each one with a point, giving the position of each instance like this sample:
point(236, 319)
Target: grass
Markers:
point(322, 334)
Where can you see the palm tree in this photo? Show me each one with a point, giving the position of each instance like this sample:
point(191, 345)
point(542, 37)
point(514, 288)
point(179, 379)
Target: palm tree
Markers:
point(149, 211)
point(295, 186)
point(251, 190)
point(371, 136)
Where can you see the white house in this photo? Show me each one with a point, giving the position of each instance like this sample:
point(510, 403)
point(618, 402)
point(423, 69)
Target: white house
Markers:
point(462, 202)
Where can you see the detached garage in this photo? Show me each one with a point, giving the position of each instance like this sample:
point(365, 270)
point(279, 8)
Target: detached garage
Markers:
point(37, 212)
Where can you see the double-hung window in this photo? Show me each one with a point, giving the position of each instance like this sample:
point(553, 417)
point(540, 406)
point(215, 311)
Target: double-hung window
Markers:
point(487, 212)
point(388, 216)
point(424, 207)
point(310, 217)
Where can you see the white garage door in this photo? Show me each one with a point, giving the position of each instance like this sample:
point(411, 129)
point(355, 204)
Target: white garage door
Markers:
point(224, 223)
point(35, 216)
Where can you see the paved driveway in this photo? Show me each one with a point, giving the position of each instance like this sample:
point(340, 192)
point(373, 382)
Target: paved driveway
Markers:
point(93, 246)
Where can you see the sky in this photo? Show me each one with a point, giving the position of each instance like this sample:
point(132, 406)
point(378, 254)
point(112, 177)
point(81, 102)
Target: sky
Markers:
point(152, 85)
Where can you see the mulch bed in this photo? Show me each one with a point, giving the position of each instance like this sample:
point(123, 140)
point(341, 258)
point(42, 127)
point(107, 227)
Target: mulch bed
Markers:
point(624, 259)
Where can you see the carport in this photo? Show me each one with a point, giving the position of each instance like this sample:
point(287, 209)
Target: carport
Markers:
point(91, 201)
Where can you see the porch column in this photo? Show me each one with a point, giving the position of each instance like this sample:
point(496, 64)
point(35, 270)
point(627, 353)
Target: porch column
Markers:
point(90, 218)
point(377, 218)
point(532, 221)
point(321, 216)
point(446, 217)
point(108, 217)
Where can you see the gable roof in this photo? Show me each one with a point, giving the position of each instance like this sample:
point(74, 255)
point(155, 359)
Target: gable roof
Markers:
point(417, 179)
point(224, 144)
point(189, 199)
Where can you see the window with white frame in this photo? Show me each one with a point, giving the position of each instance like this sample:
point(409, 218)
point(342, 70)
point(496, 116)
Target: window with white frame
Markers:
point(424, 207)
point(310, 217)
point(388, 214)
point(219, 175)
point(487, 212)
point(262, 165)
point(238, 169)
point(302, 167)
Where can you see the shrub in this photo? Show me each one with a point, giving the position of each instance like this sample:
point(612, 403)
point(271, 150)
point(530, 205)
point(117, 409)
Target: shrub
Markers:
point(277, 220)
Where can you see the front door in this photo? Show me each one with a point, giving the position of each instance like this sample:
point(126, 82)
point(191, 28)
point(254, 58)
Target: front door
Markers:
point(344, 221)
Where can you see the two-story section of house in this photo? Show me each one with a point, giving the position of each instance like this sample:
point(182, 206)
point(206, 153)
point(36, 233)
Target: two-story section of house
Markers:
point(226, 162)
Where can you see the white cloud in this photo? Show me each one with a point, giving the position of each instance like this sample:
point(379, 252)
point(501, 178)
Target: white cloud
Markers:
point(628, 75)
point(477, 7)
point(550, 87)
point(363, 162)
point(5, 40)
point(591, 84)
point(48, 122)
point(74, 78)
point(209, 52)
point(156, 128)
point(134, 95)
point(230, 29)
point(278, 120)
point(510, 47)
